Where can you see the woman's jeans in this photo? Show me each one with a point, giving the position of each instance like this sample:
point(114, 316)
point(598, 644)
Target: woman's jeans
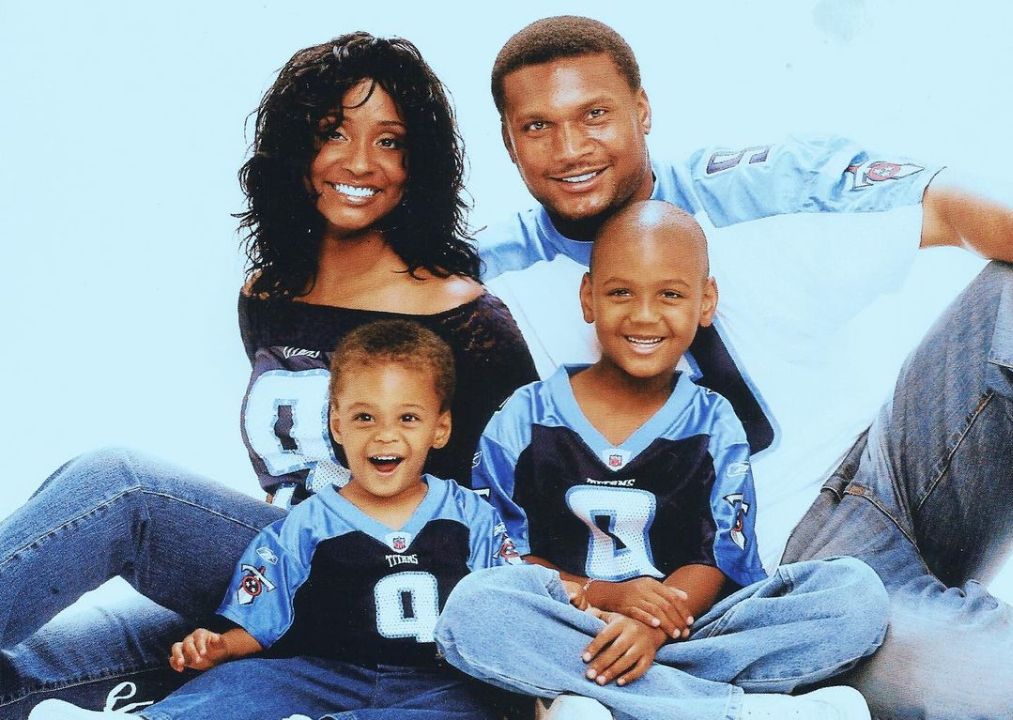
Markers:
point(172, 535)
point(924, 498)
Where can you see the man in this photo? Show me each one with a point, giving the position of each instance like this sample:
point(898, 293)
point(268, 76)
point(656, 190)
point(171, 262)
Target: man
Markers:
point(820, 227)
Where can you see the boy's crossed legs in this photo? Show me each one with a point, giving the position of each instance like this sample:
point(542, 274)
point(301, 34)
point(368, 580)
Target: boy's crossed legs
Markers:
point(515, 628)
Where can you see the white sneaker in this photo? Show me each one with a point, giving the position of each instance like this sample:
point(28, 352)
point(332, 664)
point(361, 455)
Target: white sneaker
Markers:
point(830, 703)
point(62, 710)
point(575, 707)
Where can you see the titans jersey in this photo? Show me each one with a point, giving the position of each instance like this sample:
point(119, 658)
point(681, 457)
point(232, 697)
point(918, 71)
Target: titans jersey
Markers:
point(330, 581)
point(678, 491)
point(285, 420)
point(806, 239)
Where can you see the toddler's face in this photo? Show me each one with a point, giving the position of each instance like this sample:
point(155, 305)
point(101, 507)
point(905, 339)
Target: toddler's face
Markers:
point(387, 418)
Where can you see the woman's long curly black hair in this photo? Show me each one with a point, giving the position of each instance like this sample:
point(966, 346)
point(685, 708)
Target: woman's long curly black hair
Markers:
point(283, 227)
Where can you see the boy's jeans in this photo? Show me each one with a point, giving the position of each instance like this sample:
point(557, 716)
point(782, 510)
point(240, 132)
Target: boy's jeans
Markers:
point(937, 471)
point(302, 688)
point(514, 627)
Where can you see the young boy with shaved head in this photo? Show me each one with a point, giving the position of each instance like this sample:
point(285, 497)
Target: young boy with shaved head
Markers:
point(628, 488)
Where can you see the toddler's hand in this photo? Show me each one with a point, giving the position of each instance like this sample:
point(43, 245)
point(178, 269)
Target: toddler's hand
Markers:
point(200, 650)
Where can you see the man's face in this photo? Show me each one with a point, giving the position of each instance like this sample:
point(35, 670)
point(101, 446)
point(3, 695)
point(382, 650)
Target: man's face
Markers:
point(577, 133)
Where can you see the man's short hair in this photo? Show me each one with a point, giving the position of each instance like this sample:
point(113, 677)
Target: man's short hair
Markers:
point(400, 342)
point(563, 36)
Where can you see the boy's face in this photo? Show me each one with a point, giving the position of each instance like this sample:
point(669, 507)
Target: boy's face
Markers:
point(576, 131)
point(647, 294)
point(387, 418)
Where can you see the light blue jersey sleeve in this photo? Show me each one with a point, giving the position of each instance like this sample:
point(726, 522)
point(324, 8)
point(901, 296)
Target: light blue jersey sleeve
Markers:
point(798, 175)
point(817, 174)
point(274, 566)
point(489, 543)
point(493, 471)
point(733, 499)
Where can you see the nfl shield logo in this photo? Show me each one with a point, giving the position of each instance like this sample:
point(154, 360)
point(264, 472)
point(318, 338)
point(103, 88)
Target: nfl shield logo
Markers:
point(614, 458)
point(398, 541)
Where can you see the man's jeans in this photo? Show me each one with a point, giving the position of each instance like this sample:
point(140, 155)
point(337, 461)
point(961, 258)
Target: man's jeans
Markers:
point(925, 499)
point(925, 502)
point(301, 687)
point(515, 628)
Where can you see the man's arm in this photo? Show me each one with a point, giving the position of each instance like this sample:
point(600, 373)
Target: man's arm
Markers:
point(955, 216)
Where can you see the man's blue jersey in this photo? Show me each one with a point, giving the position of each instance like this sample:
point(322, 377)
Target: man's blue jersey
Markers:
point(799, 175)
point(678, 491)
point(330, 581)
point(804, 236)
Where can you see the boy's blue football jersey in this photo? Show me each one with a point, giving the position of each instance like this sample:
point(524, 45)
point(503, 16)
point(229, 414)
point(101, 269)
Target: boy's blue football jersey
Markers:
point(678, 491)
point(330, 581)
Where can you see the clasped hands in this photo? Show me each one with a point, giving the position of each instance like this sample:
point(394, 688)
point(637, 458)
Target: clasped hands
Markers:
point(640, 616)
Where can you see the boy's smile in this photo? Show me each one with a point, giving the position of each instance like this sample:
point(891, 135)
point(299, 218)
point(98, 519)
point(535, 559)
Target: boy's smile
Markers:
point(387, 417)
point(648, 291)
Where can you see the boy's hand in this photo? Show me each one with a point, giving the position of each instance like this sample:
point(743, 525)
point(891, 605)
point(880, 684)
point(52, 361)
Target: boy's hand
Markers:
point(575, 591)
point(623, 650)
point(200, 650)
point(651, 602)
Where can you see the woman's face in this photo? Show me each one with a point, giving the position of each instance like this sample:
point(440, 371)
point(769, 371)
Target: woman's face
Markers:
point(359, 173)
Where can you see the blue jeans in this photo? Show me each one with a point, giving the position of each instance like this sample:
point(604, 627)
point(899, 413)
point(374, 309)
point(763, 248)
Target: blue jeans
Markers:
point(923, 498)
point(515, 628)
point(278, 688)
point(923, 501)
point(172, 535)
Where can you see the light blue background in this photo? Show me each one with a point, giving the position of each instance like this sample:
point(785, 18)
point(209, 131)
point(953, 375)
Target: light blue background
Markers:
point(122, 128)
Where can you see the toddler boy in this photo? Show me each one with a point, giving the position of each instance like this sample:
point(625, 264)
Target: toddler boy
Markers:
point(339, 599)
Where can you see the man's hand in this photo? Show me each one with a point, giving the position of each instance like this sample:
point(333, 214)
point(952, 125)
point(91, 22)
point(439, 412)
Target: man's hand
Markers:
point(200, 650)
point(623, 650)
point(647, 600)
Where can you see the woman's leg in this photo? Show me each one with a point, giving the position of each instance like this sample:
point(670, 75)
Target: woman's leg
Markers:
point(172, 535)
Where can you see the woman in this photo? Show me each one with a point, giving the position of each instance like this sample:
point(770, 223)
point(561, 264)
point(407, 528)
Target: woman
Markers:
point(354, 214)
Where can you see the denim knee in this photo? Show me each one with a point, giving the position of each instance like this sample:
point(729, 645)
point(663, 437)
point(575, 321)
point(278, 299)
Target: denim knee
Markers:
point(867, 606)
point(100, 469)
